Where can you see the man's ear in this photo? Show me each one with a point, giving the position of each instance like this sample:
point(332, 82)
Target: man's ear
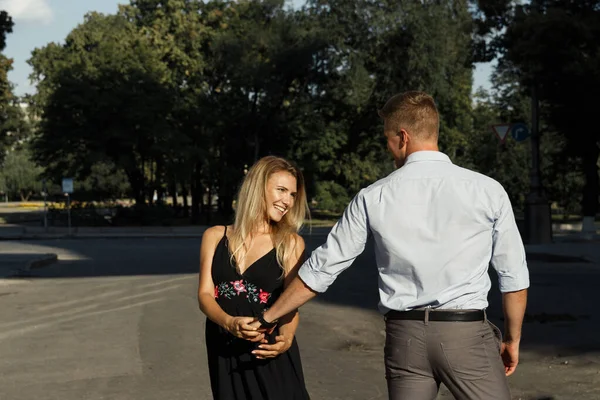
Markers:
point(403, 138)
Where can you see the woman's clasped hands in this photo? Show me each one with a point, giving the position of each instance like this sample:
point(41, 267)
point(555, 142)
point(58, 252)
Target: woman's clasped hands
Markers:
point(248, 328)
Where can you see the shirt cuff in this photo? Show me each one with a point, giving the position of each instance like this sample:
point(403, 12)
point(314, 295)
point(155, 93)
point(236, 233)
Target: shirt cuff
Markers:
point(513, 283)
point(314, 279)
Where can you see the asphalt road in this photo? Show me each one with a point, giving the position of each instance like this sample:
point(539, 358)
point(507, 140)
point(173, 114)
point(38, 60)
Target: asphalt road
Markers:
point(118, 319)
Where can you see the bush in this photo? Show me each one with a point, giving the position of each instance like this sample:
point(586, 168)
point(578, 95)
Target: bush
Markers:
point(331, 196)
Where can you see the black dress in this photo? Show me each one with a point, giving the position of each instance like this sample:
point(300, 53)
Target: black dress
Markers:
point(236, 374)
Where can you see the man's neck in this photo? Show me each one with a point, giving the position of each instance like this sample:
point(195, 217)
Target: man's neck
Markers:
point(421, 147)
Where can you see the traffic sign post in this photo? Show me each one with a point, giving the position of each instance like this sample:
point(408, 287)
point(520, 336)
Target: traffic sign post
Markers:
point(501, 131)
point(519, 132)
point(67, 188)
point(538, 221)
point(45, 194)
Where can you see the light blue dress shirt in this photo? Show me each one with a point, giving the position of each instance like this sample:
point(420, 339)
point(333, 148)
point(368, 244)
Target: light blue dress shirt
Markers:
point(436, 227)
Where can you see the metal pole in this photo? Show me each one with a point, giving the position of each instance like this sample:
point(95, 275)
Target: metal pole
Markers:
point(535, 173)
point(538, 222)
point(69, 211)
point(45, 205)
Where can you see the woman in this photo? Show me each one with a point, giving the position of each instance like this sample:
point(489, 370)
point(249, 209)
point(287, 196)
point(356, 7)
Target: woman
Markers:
point(243, 269)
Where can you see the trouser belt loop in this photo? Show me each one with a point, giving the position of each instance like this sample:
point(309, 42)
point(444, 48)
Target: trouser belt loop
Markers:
point(427, 315)
point(485, 318)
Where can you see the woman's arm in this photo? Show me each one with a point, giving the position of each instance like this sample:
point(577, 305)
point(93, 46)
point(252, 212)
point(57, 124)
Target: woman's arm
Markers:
point(289, 322)
point(237, 326)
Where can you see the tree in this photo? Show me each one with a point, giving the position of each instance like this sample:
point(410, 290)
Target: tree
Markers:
point(553, 47)
point(505, 162)
point(562, 72)
point(13, 126)
point(19, 176)
point(372, 51)
point(103, 99)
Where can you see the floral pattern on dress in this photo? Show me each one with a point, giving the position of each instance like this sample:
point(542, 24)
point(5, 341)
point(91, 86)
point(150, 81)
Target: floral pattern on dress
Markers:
point(242, 287)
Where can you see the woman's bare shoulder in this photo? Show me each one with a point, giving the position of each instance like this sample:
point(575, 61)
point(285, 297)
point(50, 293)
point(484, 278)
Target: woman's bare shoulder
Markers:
point(214, 233)
point(298, 242)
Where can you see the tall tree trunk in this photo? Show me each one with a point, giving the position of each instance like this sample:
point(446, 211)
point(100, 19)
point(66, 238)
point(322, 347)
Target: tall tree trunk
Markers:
point(256, 146)
point(184, 195)
point(173, 190)
point(225, 199)
point(150, 186)
point(158, 184)
point(196, 193)
point(136, 181)
point(591, 190)
point(225, 196)
point(207, 206)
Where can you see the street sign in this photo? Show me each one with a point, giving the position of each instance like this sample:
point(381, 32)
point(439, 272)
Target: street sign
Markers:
point(67, 185)
point(501, 130)
point(519, 132)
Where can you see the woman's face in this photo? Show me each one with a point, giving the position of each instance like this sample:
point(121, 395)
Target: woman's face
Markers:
point(280, 194)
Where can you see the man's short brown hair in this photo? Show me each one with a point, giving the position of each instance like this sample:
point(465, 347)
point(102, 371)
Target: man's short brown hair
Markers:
point(413, 111)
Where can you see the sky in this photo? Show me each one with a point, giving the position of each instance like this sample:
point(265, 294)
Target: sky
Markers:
point(39, 22)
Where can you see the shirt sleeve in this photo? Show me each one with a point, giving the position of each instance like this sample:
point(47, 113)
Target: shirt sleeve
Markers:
point(508, 253)
point(345, 242)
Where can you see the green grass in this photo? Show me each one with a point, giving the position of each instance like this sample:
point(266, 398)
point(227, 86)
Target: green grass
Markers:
point(321, 218)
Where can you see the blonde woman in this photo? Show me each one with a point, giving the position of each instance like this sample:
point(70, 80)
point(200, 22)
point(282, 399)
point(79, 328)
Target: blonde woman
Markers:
point(243, 270)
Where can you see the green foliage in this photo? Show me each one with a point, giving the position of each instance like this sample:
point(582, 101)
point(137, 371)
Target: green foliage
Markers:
point(13, 125)
point(178, 96)
point(103, 100)
point(508, 163)
point(105, 182)
point(19, 176)
point(331, 196)
point(553, 46)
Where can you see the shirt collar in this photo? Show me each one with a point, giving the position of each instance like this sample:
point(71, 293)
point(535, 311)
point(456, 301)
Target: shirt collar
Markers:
point(427, 155)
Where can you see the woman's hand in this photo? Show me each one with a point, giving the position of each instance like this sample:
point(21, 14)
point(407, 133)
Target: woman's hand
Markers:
point(266, 350)
point(240, 327)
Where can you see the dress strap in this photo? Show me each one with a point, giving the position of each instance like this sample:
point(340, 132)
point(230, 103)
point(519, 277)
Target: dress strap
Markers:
point(225, 233)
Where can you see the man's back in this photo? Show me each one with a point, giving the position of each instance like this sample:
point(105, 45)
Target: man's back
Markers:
point(437, 227)
point(433, 224)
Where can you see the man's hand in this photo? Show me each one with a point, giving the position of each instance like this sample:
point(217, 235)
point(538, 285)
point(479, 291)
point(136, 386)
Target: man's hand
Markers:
point(281, 345)
point(240, 327)
point(510, 356)
point(258, 327)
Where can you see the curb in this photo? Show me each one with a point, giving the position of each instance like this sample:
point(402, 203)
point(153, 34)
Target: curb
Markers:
point(46, 260)
point(100, 236)
point(14, 275)
point(126, 235)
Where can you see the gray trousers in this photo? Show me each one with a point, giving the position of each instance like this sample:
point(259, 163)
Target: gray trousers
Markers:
point(464, 356)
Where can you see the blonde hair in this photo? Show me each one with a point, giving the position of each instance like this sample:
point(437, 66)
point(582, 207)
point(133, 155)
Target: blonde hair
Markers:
point(251, 211)
point(414, 111)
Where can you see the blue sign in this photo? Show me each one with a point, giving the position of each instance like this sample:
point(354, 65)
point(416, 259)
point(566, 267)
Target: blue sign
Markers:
point(67, 185)
point(519, 132)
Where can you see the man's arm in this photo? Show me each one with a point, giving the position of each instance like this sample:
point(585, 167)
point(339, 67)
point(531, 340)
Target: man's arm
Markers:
point(508, 253)
point(345, 242)
point(509, 261)
point(514, 304)
point(296, 295)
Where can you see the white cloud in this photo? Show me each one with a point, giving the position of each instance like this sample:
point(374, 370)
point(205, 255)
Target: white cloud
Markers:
point(28, 10)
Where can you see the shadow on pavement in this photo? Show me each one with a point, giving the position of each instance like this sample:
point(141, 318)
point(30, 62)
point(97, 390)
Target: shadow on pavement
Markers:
point(562, 318)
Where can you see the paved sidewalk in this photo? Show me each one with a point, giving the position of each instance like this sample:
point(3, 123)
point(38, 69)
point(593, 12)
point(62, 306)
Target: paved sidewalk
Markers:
point(19, 232)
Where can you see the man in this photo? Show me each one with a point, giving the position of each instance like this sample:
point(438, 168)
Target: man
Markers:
point(437, 228)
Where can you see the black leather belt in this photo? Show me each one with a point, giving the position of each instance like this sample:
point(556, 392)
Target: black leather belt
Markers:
point(438, 315)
